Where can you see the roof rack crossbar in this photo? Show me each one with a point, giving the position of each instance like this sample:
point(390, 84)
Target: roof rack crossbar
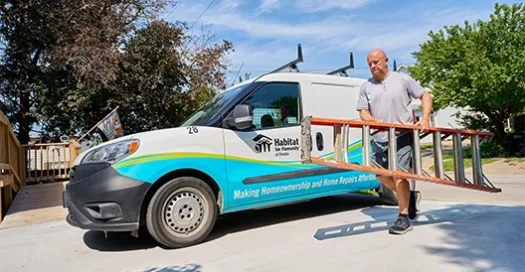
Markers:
point(342, 71)
point(292, 64)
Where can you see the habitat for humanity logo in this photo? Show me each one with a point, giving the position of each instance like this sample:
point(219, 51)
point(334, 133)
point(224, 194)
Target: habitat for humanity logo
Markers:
point(262, 143)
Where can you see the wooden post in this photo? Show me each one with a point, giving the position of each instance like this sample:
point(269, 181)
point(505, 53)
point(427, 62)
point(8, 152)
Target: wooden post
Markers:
point(74, 151)
point(6, 144)
point(6, 193)
point(22, 171)
point(1, 208)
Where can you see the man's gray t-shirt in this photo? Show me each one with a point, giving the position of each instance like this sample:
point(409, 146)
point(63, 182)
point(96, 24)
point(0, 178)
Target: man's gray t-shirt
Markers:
point(390, 100)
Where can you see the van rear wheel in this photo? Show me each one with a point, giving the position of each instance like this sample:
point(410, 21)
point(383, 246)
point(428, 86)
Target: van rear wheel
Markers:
point(182, 212)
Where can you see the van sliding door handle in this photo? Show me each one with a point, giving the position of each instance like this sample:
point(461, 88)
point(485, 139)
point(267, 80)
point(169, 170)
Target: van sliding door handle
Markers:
point(319, 141)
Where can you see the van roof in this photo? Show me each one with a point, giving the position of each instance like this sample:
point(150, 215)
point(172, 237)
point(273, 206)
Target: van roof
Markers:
point(291, 76)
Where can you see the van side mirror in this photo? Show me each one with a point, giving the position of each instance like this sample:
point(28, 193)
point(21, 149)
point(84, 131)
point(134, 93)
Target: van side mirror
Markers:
point(241, 118)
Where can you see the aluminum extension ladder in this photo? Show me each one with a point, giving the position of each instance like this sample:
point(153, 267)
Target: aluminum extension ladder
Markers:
point(341, 140)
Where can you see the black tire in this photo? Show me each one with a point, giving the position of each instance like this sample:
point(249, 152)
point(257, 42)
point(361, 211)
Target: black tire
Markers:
point(388, 196)
point(195, 207)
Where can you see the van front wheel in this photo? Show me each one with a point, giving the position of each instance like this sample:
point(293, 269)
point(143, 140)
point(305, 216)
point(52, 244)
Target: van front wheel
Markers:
point(182, 212)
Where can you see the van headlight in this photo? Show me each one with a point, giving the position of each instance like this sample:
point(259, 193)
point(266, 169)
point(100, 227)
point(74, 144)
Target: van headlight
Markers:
point(112, 153)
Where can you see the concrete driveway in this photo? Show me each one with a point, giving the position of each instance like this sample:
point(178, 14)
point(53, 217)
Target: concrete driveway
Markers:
point(346, 233)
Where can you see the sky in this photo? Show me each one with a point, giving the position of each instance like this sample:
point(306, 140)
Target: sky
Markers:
point(265, 33)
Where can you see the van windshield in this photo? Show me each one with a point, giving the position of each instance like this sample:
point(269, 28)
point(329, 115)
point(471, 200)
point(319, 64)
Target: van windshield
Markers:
point(213, 107)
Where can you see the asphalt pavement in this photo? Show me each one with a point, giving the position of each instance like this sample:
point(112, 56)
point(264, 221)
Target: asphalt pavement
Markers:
point(344, 233)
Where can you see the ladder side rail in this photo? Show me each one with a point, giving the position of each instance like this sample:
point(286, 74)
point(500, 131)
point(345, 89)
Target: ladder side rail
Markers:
point(399, 127)
point(398, 174)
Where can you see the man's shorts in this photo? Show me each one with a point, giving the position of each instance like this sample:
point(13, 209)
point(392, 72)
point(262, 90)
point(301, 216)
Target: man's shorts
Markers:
point(403, 156)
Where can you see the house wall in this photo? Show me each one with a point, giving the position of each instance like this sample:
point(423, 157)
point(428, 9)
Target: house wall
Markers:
point(447, 118)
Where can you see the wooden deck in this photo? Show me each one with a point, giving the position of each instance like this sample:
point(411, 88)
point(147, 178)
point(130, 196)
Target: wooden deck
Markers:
point(36, 204)
point(21, 166)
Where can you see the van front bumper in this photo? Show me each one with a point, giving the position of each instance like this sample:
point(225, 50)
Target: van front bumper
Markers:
point(99, 198)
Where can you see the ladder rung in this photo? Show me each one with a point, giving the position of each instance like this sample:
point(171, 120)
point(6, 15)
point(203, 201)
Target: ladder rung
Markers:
point(392, 148)
point(366, 145)
point(459, 169)
point(417, 152)
point(344, 148)
point(477, 171)
point(438, 155)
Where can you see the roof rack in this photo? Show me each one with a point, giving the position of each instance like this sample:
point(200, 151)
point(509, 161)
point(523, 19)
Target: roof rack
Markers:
point(342, 71)
point(292, 64)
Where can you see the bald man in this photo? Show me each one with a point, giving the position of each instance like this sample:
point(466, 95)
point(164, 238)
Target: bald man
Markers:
point(386, 97)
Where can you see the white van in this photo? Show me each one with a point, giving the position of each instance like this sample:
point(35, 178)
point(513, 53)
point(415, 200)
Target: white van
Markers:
point(238, 152)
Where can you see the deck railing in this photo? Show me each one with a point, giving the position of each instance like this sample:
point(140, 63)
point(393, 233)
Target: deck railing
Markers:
point(22, 165)
point(12, 170)
point(50, 162)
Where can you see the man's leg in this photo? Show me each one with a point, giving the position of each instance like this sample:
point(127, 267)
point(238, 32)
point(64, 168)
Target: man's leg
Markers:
point(403, 159)
point(380, 156)
point(403, 195)
point(415, 195)
point(388, 182)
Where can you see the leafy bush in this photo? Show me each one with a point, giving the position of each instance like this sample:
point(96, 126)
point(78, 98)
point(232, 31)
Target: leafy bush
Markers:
point(487, 149)
point(476, 121)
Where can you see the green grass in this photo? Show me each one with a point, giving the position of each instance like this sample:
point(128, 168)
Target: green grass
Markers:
point(368, 192)
point(518, 160)
point(448, 156)
point(448, 165)
point(426, 146)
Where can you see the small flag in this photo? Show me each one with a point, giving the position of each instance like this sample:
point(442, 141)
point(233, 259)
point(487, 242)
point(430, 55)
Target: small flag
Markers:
point(111, 126)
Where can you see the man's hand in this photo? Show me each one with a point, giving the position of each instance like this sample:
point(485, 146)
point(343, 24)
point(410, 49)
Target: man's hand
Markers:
point(423, 124)
point(367, 117)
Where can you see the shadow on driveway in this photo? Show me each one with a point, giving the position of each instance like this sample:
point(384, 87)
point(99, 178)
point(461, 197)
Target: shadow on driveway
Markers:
point(480, 237)
point(186, 268)
point(239, 221)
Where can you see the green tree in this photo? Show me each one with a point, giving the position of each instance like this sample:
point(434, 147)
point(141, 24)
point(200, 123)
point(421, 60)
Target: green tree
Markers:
point(163, 80)
point(479, 66)
point(65, 65)
point(52, 49)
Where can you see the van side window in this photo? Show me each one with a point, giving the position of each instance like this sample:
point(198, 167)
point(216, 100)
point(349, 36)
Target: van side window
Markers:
point(275, 105)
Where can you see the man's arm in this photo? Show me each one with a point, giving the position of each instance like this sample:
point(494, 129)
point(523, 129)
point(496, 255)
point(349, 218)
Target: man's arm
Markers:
point(367, 117)
point(417, 91)
point(362, 106)
point(426, 101)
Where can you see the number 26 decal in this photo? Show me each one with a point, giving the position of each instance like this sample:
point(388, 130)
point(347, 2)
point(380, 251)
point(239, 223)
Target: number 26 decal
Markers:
point(192, 130)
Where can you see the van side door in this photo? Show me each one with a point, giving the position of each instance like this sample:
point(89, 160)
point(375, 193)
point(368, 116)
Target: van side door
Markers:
point(263, 163)
point(338, 101)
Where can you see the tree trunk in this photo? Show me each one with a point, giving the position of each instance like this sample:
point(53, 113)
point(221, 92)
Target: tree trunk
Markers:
point(24, 122)
point(499, 127)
